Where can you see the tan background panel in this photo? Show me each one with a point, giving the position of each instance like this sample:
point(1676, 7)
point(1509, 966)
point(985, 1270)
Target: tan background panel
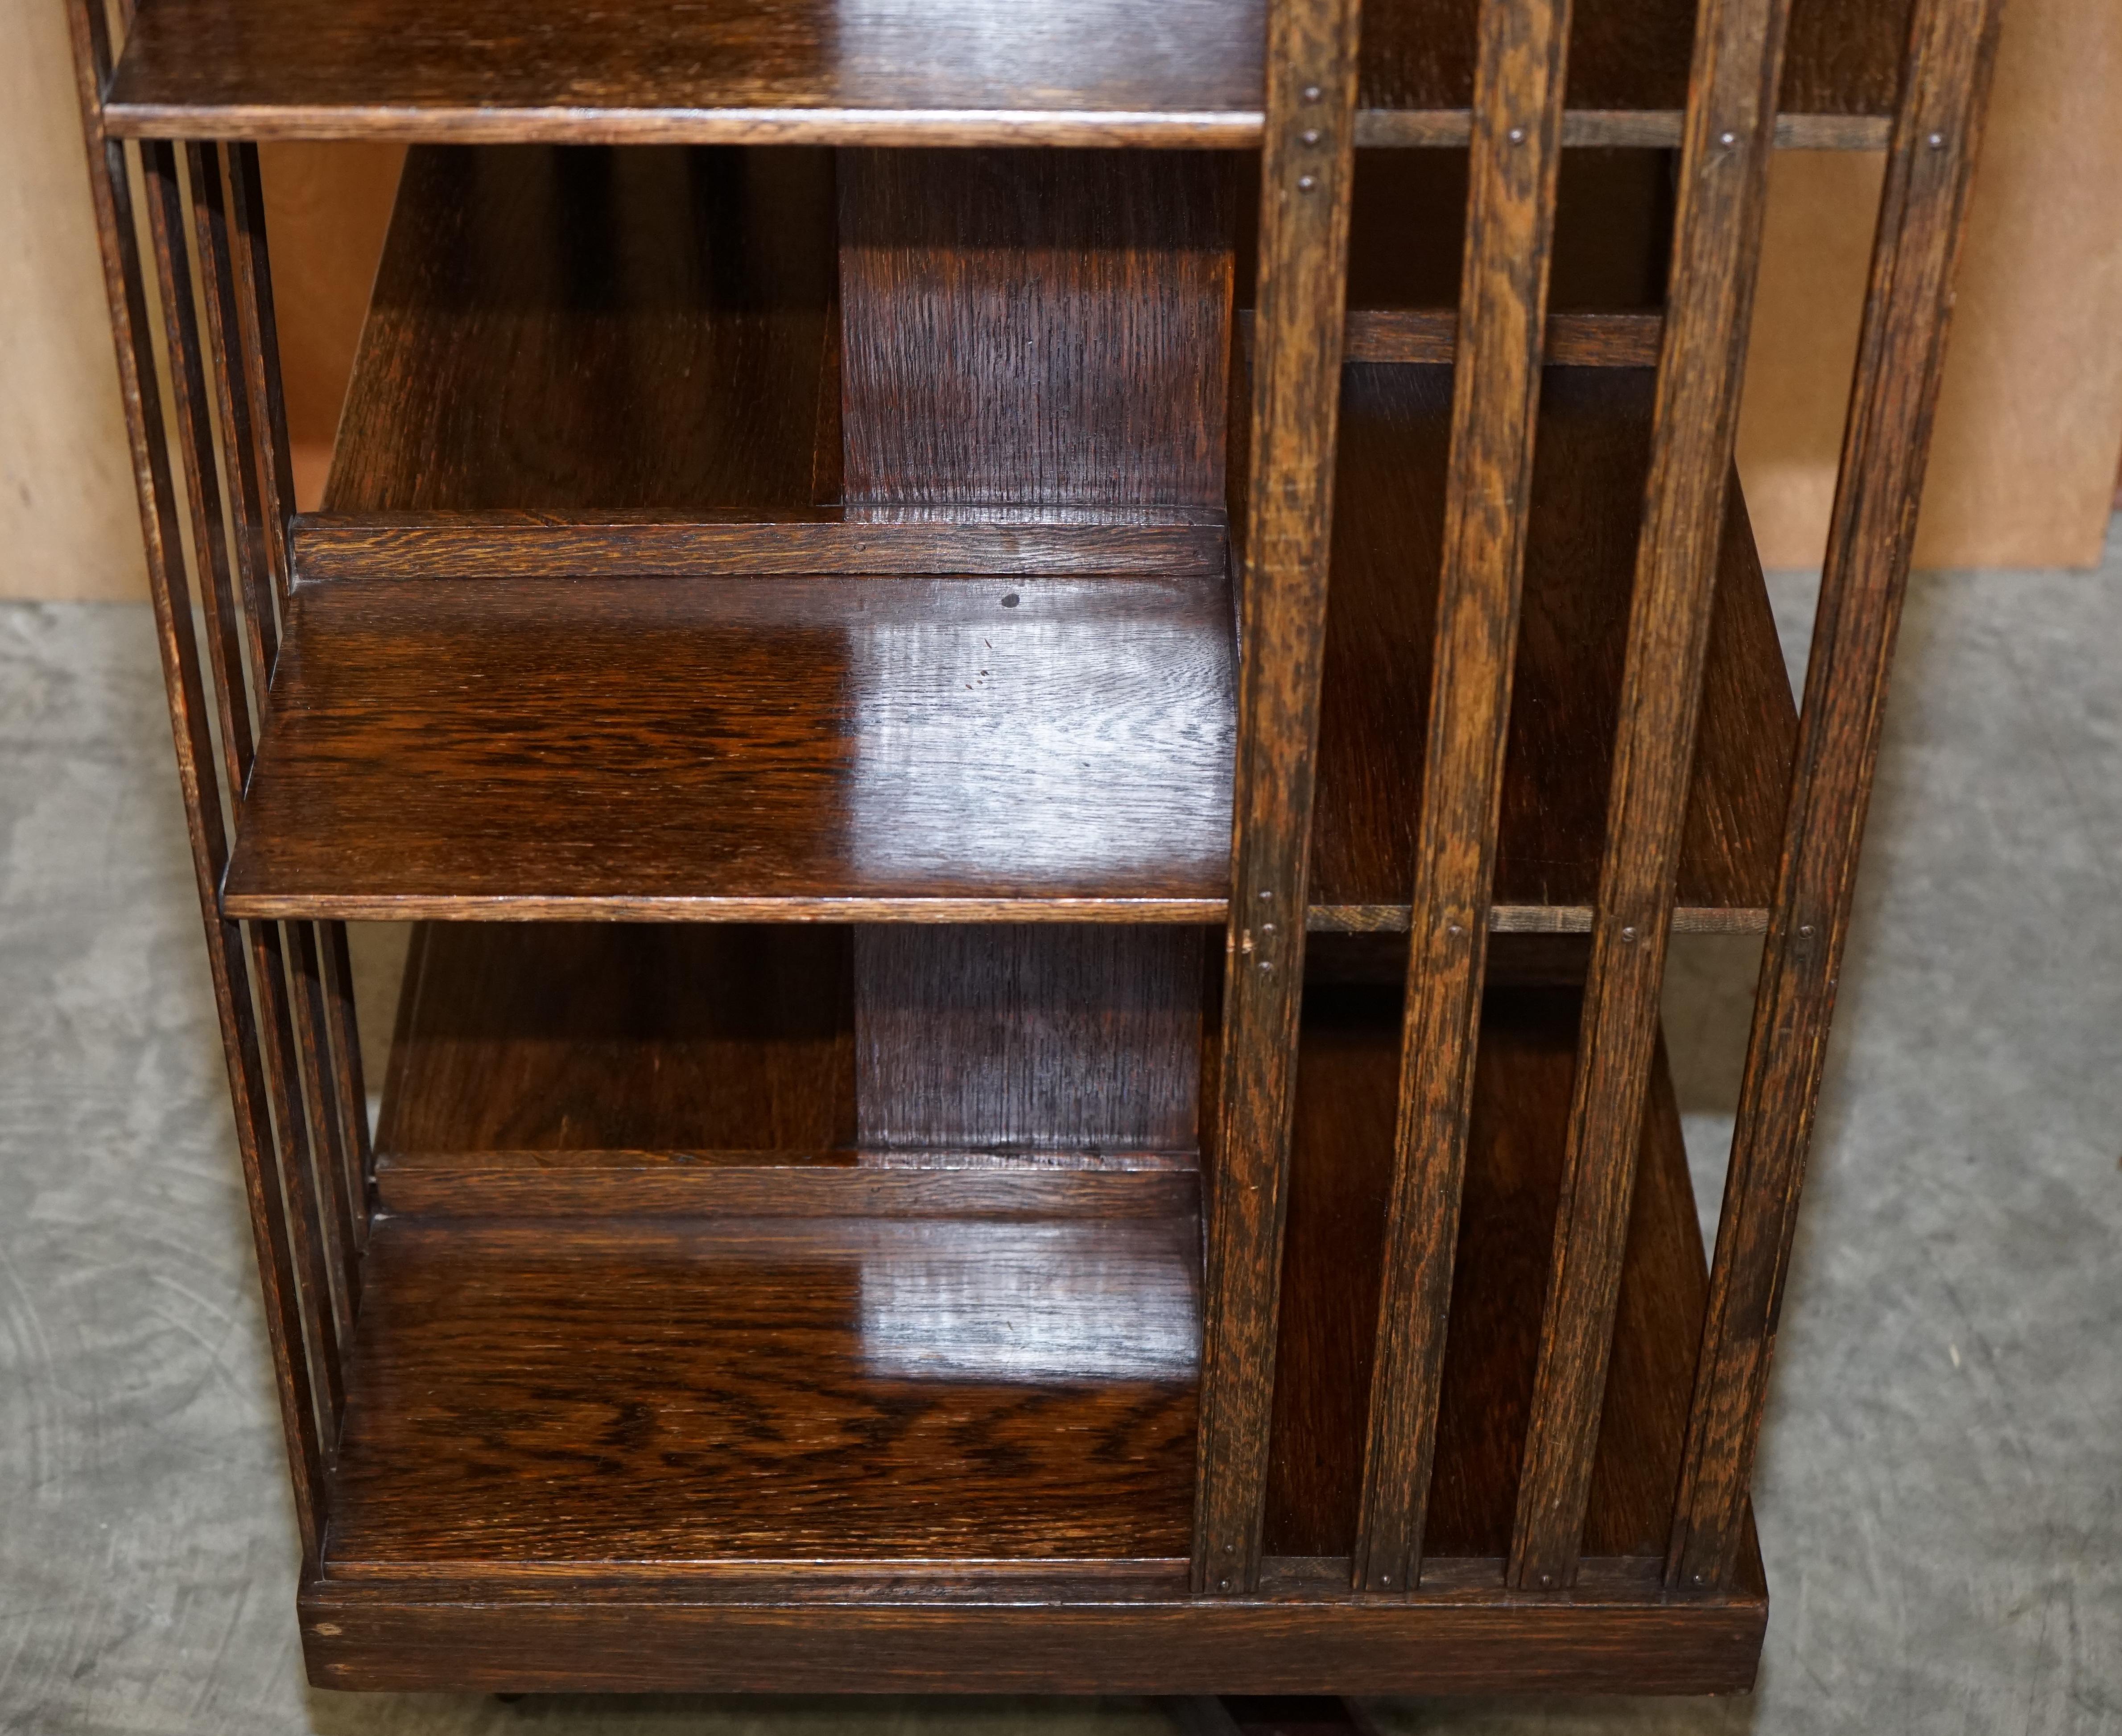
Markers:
point(2029, 433)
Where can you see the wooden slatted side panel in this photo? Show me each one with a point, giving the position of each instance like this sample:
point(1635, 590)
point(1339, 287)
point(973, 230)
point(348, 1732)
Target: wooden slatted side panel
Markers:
point(177, 593)
point(1724, 157)
point(1922, 217)
point(228, 219)
point(1510, 224)
point(1307, 166)
point(222, 553)
point(257, 341)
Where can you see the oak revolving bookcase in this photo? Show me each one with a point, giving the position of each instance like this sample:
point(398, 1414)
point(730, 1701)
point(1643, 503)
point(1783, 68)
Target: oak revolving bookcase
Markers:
point(866, 537)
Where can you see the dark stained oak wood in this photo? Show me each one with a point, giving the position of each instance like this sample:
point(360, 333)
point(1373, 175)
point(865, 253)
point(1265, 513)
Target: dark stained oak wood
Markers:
point(586, 1185)
point(1307, 163)
point(1573, 340)
point(1923, 218)
point(1023, 1039)
point(559, 1038)
point(1341, 1175)
point(1076, 71)
point(823, 539)
point(1723, 194)
point(407, 1637)
point(1496, 389)
point(1591, 458)
point(953, 749)
point(614, 1396)
point(225, 567)
point(556, 328)
point(1036, 327)
point(174, 593)
point(395, 672)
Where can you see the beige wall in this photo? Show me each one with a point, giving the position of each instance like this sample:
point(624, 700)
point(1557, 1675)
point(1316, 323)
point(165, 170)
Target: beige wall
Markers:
point(2029, 431)
point(2029, 426)
point(68, 526)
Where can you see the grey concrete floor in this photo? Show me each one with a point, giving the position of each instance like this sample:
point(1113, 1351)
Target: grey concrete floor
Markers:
point(1940, 1492)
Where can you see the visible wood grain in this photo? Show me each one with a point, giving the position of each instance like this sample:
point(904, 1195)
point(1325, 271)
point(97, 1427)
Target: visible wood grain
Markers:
point(952, 749)
point(1039, 327)
point(827, 539)
point(576, 1185)
point(1573, 340)
point(608, 1037)
point(1592, 459)
point(258, 330)
point(771, 1391)
point(1724, 181)
point(565, 328)
point(324, 1306)
point(1306, 164)
point(408, 1637)
point(1022, 1040)
point(1922, 219)
point(343, 1031)
point(1496, 384)
point(1342, 1170)
point(1079, 72)
point(170, 586)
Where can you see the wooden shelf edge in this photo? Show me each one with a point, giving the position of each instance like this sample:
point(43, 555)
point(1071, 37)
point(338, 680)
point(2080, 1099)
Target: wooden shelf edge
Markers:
point(410, 1637)
point(1215, 129)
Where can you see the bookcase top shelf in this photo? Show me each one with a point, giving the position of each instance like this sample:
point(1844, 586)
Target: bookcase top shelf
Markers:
point(911, 71)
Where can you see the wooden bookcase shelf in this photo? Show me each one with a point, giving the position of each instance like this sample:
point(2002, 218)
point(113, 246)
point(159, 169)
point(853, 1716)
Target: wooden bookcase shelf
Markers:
point(497, 737)
point(864, 1357)
point(1080, 72)
point(819, 639)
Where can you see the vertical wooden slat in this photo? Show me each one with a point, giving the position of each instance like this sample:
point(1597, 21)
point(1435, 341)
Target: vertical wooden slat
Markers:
point(344, 1030)
point(1922, 216)
point(260, 331)
point(341, 1200)
point(243, 381)
point(1724, 158)
point(1516, 150)
point(170, 585)
point(324, 1307)
point(1306, 169)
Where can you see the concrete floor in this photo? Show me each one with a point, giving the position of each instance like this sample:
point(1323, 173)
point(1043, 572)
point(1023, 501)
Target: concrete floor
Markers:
point(1940, 1491)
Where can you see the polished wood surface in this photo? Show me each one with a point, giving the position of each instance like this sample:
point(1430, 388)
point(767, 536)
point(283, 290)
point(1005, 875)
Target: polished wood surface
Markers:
point(952, 749)
point(624, 1399)
point(1017, 1041)
point(410, 1636)
point(559, 1038)
point(733, 1305)
point(1922, 221)
point(1717, 240)
point(1046, 328)
point(556, 328)
point(1306, 171)
point(1082, 72)
point(1341, 1182)
point(1591, 457)
point(881, 539)
point(1513, 171)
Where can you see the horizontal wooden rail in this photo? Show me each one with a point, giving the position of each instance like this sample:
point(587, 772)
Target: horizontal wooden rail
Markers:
point(1431, 334)
point(823, 540)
